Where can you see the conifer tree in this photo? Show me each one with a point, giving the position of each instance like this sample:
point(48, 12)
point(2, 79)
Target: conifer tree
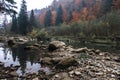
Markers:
point(14, 27)
point(32, 21)
point(23, 19)
point(107, 5)
point(7, 6)
point(47, 20)
point(59, 19)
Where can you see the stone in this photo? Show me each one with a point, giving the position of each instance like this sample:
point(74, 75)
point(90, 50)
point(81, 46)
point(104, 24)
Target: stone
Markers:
point(97, 51)
point(57, 76)
point(30, 47)
point(67, 62)
point(80, 50)
point(36, 78)
point(77, 73)
point(1, 64)
point(56, 45)
point(71, 72)
point(11, 42)
point(13, 74)
point(46, 60)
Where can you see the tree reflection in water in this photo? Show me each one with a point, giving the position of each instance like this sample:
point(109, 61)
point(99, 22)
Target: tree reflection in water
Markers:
point(25, 58)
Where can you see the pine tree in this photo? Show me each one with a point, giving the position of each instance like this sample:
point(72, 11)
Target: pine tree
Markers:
point(69, 17)
point(59, 19)
point(107, 6)
point(14, 27)
point(7, 6)
point(23, 19)
point(47, 20)
point(32, 21)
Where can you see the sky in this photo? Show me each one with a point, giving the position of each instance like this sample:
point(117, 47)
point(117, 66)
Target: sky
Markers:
point(34, 4)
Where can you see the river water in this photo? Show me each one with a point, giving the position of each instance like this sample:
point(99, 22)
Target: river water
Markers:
point(28, 61)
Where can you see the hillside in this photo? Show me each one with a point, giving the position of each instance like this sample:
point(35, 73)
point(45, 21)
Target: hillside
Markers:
point(74, 10)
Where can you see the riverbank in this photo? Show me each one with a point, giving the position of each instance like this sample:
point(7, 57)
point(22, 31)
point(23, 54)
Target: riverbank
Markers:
point(68, 63)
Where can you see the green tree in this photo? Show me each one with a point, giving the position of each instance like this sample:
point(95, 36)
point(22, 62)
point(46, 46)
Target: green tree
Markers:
point(23, 19)
point(14, 27)
point(69, 17)
point(7, 6)
point(48, 16)
point(59, 19)
point(32, 21)
point(107, 6)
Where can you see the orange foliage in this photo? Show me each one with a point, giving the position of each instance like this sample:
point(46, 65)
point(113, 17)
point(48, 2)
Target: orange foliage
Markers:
point(84, 13)
point(42, 16)
point(53, 17)
point(78, 2)
point(89, 11)
point(64, 16)
point(75, 16)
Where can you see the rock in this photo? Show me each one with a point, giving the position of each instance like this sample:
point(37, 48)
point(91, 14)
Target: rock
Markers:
point(107, 58)
point(117, 59)
point(71, 72)
point(80, 50)
point(13, 74)
point(46, 60)
point(56, 45)
point(11, 42)
point(69, 48)
point(36, 78)
point(67, 62)
point(97, 51)
point(77, 73)
point(112, 75)
point(36, 45)
point(50, 61)
point(61, 76)
point(1, 64)
point(57, 76)
point(30, 47)
point(22, 40)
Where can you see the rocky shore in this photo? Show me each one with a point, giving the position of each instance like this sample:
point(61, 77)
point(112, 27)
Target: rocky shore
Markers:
point(68, 63)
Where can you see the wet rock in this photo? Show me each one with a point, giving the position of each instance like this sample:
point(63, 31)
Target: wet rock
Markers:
point(80, 50)
point(56, 45)
point(1, 64)
point(30, 47)
point(11, 42)
point(46, 61)
point(67, 62)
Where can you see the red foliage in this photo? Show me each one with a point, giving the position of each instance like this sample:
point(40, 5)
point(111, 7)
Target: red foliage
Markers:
point(42, 16)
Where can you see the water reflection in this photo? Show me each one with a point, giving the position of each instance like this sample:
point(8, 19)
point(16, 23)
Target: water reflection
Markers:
point(27, 60)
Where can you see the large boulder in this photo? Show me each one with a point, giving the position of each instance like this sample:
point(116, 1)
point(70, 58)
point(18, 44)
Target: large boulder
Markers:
point(56, 45)
point(66, 62)
point(11, 42)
